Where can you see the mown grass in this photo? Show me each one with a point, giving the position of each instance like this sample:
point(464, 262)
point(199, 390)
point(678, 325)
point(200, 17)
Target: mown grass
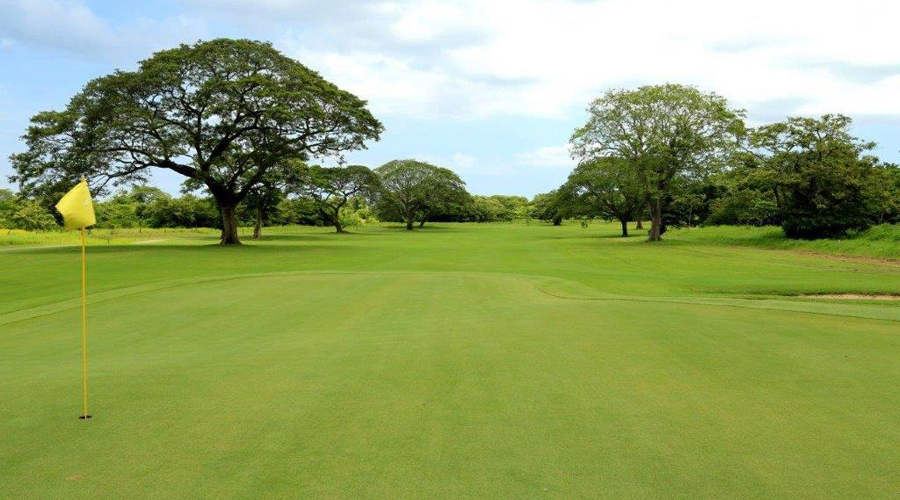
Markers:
point(881, 242)
point(460, 361)
point(878, 242)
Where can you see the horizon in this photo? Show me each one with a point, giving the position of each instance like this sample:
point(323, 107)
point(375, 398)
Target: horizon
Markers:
point(482, 96)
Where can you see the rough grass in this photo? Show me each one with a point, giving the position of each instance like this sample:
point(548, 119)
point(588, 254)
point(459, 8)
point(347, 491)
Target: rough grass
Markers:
point(881, 242)
point(18, 237)
point(461, 361)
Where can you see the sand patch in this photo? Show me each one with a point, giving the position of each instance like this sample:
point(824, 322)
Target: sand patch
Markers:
point(852, 296)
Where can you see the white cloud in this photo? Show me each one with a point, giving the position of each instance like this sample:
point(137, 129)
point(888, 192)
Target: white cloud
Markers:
point(542, 57)
point(473, 59)
point(547, 157)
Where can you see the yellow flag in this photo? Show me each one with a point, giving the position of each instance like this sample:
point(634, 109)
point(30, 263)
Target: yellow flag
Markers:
point(77, 208)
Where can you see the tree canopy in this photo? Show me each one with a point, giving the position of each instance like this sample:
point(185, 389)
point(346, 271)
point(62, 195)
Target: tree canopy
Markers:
point(414, 190)
point(221, 113)
point(662, 132)
point(822, 178)
point(608, 188)
point(331, 188)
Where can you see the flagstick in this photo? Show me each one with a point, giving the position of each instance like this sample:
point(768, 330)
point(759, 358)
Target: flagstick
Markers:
point(84, 359)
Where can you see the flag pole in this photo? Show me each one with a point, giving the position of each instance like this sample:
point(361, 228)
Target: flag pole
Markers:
point(84, 359)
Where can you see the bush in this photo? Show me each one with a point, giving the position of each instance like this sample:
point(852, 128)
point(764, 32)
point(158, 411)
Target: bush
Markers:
point(745, 207)
point(31, 216)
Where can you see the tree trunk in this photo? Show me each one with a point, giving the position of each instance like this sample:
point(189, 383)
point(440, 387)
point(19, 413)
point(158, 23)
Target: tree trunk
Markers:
point(639, 225)
point(229, 224)
point(656, 220)
point(557, 220)
point(624, 227)
point(422, 223)
point(336, 221)
point(257, 229)
point(409, 221)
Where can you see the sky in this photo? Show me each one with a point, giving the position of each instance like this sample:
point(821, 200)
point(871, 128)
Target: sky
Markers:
point(492, 89)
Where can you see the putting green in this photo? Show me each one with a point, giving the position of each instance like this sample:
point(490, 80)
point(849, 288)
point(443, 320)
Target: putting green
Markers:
point(367, 380)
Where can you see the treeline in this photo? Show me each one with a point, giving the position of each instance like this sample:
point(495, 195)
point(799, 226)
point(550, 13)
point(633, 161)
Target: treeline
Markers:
point(406, 191)
point(681, 157)
point(240, 121)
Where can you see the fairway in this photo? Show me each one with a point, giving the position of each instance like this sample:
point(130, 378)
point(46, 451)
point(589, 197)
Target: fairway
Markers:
point(457, 361)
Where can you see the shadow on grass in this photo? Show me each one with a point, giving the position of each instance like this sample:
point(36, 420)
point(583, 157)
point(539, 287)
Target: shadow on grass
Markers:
point(252, 247)
point(287, 237)
point(610, 236)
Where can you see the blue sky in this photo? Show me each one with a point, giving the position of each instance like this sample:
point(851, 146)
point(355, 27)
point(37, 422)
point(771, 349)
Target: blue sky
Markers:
point(490, 88)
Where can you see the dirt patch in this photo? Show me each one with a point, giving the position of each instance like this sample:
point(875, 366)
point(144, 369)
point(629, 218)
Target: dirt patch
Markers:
point(852, 296)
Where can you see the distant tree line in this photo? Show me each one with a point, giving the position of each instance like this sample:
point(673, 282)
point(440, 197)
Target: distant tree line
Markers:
point(404, 191)
point(677, 156)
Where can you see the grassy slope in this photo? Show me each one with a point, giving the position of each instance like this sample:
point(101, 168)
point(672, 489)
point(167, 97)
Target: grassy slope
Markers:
point(881, 242)
point(443, 364)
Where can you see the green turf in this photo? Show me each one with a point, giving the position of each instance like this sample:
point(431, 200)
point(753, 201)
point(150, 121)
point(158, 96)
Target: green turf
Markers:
point(461, 361)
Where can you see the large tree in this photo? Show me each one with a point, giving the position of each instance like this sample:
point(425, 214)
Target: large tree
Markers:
point(446, 193)
point(549, 207)
point(608, 188)
point(221, 113)
point(331, 188)
point(413, 190)
point(820, 174)
point(663, 132)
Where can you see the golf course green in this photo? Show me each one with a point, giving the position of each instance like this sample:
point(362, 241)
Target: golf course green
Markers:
point(456, 361)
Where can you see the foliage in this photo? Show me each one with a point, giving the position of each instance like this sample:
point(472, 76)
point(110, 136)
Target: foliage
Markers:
point(819, 174)
point(331, 188)
point(413, 190)
point(262, 200)
point(30, 215)
point(7, 203)
point(745, 207)
point(663, 132)
point(607, 188)
point(882, 191)
point(119, 211)
point(221, 113)
point(548, 207)
point(303, 211)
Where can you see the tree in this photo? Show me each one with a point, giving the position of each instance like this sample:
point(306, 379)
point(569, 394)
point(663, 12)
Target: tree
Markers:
point(7, 204)
point(187, 210)
point(221, 113)
point(413, 189)
point(119, 211)
point(331, 188)
point(819, 173)
point(32, 216)
point(608, 188)
point(744, 206)
point(662, 132)
point(883, 189)
point(146, 196)
point(548, 207)
point(297, 211)
point(446, 192)
point(261, 203)
point(483, 209)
